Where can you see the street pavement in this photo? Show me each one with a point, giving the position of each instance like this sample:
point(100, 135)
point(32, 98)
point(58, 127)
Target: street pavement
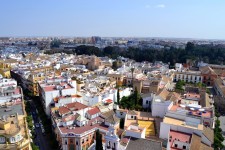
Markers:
point(40, 140)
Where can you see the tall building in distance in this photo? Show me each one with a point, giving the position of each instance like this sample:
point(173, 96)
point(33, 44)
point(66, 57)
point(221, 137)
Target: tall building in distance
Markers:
point(95, 39)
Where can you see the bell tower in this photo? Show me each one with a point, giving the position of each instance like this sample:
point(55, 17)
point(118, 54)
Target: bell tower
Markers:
point(112, 140)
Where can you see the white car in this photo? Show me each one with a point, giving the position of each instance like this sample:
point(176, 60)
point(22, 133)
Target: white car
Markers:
point(37, 125)
point(43, 130)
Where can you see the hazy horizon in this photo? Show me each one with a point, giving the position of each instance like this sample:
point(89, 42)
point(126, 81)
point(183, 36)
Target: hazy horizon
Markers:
point(129, 18)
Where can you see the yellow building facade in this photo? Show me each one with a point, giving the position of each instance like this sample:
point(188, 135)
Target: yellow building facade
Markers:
point(5, 69)
point(14, 133)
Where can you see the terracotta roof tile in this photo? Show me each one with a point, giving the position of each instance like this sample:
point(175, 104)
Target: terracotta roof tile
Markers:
point(63, 110)
point(93, 111)
point(76, 106)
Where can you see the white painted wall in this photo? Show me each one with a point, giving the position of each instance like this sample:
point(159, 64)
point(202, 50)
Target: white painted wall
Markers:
point(49, 96)
point(131, 117)
point(160, 108)
point(146, 104)
point(71, 91)
point(92, 116)
point(164, 130)
point(120, 114)
point(131, 132)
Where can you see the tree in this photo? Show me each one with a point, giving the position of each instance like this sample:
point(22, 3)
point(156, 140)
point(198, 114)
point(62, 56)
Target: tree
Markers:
point(134, 101)
point(135, 96)
point(214, 54)
point(118, 97)
point(132, 72)
point(180, 85)
point(98, 139)
point(218, 137)
point(34, 147)
point(114, 65)
point(55, 43)
point(189, 46)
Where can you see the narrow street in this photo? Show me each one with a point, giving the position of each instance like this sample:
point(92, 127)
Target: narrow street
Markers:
point(40, 140)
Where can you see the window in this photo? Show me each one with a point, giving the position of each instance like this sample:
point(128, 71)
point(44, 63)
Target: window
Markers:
point(13, 139)
point(175, 145)
point(132, 117)
point(184, 147)
point(2, 139)
point(66, 142)
point(146, 102)
point(76, 142)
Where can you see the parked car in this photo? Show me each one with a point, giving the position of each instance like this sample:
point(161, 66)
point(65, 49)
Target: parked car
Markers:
point(37, 125)
point(43, 130)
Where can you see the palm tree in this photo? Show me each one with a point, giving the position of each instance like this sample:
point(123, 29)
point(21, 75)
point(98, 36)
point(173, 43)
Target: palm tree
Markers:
point(132, 71)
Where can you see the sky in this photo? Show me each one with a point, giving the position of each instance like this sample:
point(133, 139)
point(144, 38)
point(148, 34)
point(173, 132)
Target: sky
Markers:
point(113, 18)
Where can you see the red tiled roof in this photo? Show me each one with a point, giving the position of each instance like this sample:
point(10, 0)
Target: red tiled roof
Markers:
point(109, 101)
point(63, 110)
point(49, 88)
point(86, 128)
point(176, 135)
point(93, 111)
point(69, 118)
point(76, 106)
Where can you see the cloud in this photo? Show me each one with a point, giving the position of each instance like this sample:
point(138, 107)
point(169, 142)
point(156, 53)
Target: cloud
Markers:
point(147, 6)
point(160, 6)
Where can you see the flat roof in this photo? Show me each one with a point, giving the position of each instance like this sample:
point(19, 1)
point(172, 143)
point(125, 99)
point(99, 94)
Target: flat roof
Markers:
point(177, 122)
point(16, 108)
point(181, 136)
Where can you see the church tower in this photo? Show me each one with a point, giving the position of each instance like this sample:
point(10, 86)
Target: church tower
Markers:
point(111, 139)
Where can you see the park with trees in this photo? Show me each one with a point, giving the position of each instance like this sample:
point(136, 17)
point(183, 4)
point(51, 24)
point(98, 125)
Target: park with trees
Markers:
point(213, 54)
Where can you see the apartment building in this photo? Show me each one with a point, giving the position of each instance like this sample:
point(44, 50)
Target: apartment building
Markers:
point(188, 76)
point(5, 66)
point(75, 130)
point(51, 90)
point(182, 140)
point(162, 102)
point(9, 91)
point(219, 86)
point(208, 75)
point(189, 119)
point(14, 133)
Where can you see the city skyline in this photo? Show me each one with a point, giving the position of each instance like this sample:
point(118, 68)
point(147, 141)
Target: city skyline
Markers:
point(169, 19)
